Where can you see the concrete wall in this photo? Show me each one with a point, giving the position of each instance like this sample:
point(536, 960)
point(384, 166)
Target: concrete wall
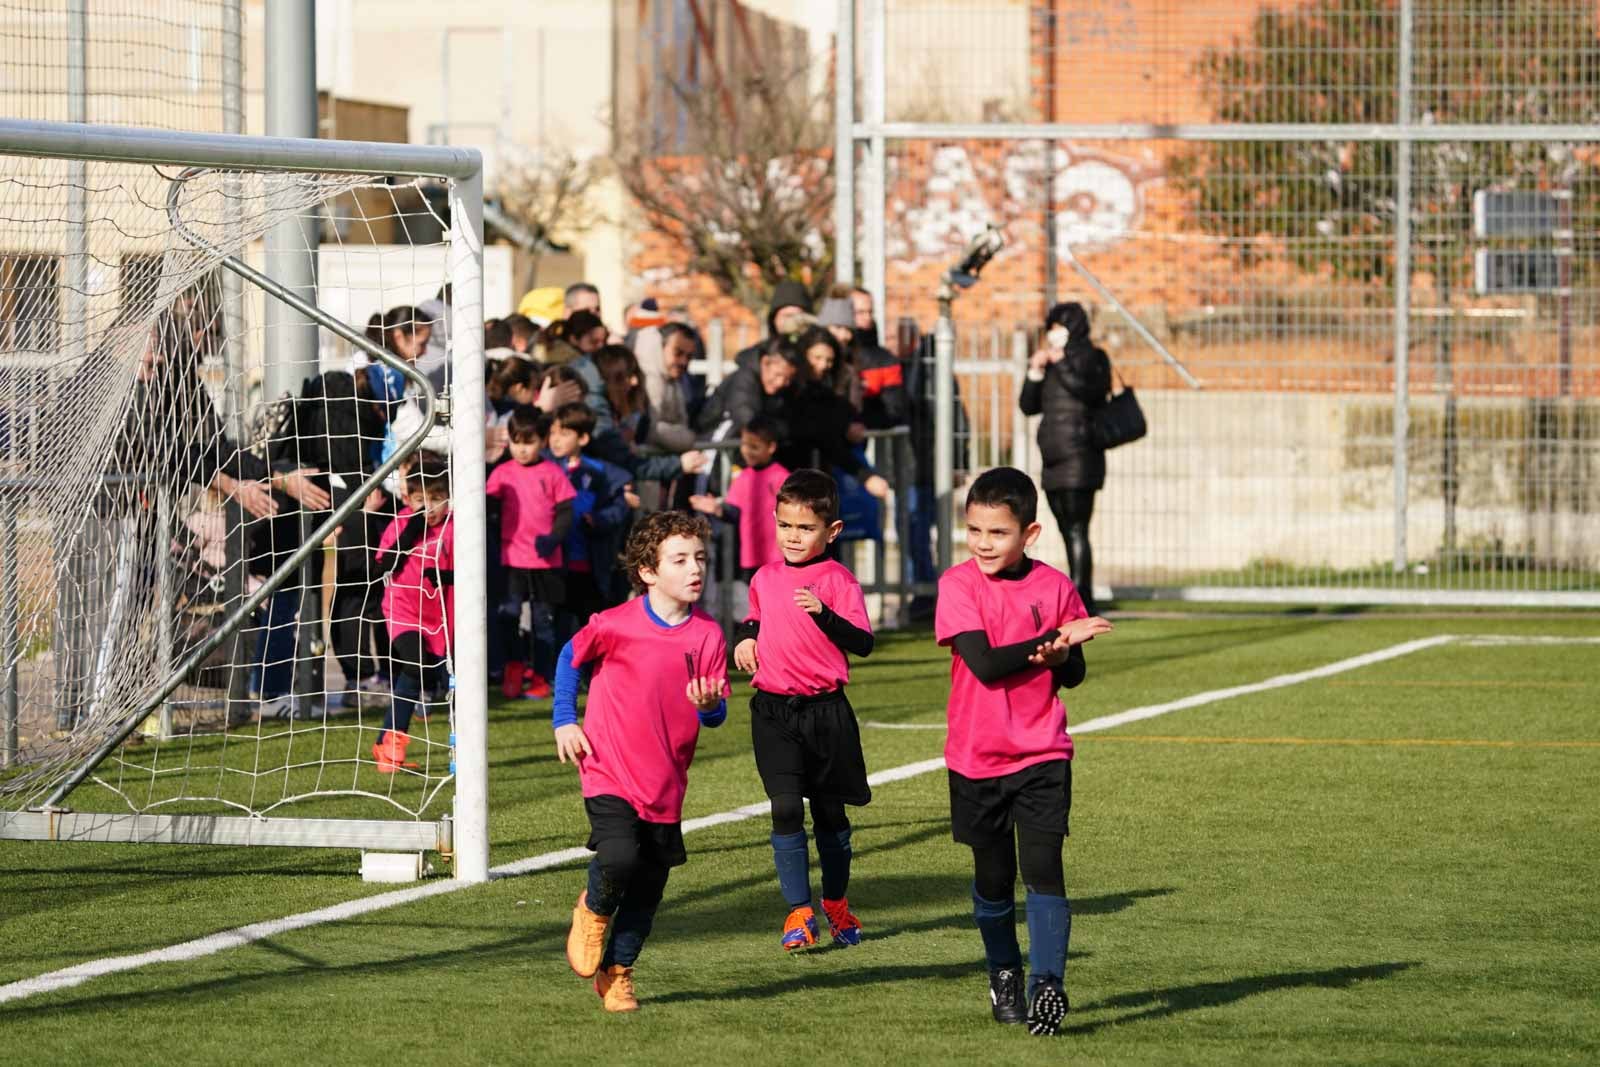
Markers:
point(1227, 480)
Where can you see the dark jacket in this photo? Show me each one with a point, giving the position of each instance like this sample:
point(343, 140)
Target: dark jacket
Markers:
point(786, 294)
point(332, 429)
point(884, 403)
point(1072, 389)
point(739, 399)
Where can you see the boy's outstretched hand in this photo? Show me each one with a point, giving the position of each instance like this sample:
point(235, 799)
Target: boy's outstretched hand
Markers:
point(807, 601)
point(1079, 631)
point(705, 692)
point(1054, 653)
point(744, 655)
point(572, 744)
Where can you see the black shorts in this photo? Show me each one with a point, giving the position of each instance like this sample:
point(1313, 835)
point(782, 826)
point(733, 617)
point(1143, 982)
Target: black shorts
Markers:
point(984, 811)
point(809, 745)
point(612, 817)
point(542, 586)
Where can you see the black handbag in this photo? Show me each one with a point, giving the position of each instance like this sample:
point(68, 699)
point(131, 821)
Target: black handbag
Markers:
point(1120, 421)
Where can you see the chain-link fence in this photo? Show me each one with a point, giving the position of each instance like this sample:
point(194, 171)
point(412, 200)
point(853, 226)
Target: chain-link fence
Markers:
point(1365, 227)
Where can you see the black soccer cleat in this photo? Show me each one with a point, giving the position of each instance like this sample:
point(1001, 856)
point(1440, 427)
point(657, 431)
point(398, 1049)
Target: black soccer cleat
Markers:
point(1005, 996)
point(1049, 1007)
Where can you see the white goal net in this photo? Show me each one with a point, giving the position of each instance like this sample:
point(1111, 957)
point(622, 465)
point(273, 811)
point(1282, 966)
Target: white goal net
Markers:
point(184, 625)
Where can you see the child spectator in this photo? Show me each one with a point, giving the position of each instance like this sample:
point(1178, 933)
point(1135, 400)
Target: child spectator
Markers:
point(535, 518)
point(600, 517)
point(806, 612)
point(418, 551)
point(752, 496)
point(637, 740)
point(1016, 628)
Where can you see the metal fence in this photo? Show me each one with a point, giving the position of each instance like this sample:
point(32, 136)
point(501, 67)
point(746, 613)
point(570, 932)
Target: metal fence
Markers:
point(1368, 230)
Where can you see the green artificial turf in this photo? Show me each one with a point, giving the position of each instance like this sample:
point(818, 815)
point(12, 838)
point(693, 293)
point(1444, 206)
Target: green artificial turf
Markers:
point(1391, 865)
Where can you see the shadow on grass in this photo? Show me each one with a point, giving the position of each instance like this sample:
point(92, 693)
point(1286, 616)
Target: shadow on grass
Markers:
point(1106, 904)
point(813, 981)
point(1174, 1000)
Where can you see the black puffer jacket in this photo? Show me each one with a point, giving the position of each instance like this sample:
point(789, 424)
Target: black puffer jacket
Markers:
point(1073, 388)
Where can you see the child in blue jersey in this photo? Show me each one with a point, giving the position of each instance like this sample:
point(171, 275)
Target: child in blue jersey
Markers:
point(1016, 629)
point(600, 513)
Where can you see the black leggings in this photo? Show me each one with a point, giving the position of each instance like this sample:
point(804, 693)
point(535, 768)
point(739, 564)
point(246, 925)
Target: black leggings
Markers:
point(1073, 508)
point(995, 866)
point(789, 815)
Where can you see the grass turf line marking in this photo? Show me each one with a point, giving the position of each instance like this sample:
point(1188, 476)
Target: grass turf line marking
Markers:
point(241, 936)
point(245, 935)
point(1395, 742)
point(1150, 711)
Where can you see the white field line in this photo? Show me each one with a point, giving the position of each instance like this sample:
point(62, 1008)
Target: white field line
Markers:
point(1106, 722)
point(68, 977)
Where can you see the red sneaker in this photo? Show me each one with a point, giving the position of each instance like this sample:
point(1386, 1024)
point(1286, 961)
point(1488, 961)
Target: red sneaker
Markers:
point(511, 683)
point(535, 687)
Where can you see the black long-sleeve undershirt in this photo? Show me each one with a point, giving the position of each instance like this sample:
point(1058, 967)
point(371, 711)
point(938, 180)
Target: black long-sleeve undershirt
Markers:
point(989, 664)
point(560, 526)
point(410, 534)
point(845, 635)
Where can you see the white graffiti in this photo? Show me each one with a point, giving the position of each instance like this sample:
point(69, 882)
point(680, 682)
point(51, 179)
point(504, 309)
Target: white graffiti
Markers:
point(1096, 199)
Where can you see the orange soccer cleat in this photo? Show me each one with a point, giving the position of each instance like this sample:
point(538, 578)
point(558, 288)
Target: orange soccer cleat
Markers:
point(800, 929)
point(586, 941)
point(390, 752)
point(615, 986)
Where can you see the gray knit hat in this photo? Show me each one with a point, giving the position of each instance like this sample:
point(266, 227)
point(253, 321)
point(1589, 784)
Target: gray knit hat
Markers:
point(838, 311)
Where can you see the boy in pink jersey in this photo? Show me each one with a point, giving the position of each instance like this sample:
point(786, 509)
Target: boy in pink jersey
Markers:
point(417, 551)
point(1016, 629)
point(535, 518)
point(752, 495)
point(806, 612)
point(659, 672)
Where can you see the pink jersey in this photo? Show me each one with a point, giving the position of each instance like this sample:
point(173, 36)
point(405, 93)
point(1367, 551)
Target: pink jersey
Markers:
point(528, 498)
point(639, 719)
point(755, 493)
point(412, 602)
point(1019, 721)
point(793, 656)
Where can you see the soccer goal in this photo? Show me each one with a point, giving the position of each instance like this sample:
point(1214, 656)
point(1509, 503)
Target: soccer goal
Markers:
point(195, 600)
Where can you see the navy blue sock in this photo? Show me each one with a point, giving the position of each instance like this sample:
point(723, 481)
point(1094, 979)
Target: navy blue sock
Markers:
point(997, 922)
point(635, 916)
point(406, 691)
point(1049, 929)
point(789, 854)
point(603, 897)
point(833, 851)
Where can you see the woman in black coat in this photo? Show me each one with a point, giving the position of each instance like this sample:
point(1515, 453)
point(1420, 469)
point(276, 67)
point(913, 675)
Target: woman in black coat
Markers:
point(1068, 379)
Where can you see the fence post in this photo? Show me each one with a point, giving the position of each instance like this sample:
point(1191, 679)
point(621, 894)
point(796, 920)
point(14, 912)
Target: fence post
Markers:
point(716, 339)
point(944, 433)
point(1402, 291)
point(1019, 421)
point(9, 644)
point(165, 600)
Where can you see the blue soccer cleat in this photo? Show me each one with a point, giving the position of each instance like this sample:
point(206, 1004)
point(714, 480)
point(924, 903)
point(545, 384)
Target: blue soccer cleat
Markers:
point(800, 929)
point(846, 927)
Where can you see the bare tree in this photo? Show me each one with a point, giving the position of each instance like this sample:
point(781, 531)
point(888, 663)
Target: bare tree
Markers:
point(740, 179)
point(545, 201)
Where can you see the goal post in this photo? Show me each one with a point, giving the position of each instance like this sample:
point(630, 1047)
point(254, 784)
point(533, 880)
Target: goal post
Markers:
point(103, 590)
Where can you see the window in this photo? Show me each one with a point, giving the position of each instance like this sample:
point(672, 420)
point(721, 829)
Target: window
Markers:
point(30, 303)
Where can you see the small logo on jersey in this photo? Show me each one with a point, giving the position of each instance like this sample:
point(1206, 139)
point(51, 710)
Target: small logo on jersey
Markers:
point(689, 662)
point(1038, 616)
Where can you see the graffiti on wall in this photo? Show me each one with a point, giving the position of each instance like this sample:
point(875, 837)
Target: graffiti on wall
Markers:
point(1094, 199)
